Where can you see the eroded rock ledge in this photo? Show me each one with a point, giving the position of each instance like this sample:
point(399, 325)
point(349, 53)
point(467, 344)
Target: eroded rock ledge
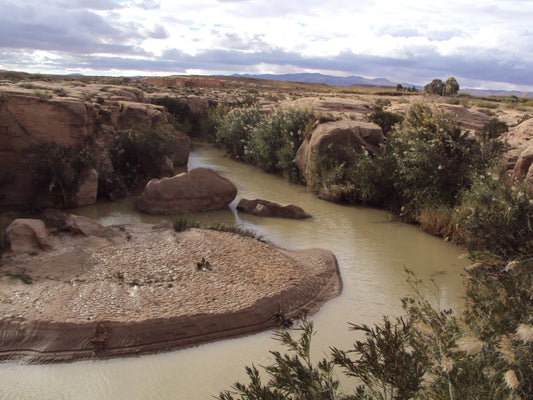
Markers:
point(140, 291)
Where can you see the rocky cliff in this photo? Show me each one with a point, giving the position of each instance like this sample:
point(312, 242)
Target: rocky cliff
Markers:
point(84, 118)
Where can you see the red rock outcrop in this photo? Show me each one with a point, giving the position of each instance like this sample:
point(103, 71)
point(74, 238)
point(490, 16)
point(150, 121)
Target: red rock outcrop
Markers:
point(200, 189)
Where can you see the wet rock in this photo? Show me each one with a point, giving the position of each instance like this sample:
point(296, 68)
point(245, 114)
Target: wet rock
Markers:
point(266, 208)
point(54, 218)
point(201, 189)
point(88, 189)
point(25, 235)
point(87, 227)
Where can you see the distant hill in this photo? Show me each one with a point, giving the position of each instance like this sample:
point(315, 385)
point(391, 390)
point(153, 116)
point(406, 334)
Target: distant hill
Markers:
point(320, 78)
point(359, 80)
point(487, 92)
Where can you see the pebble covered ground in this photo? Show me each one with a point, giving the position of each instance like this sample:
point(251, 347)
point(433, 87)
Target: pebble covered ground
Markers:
point(144, 272)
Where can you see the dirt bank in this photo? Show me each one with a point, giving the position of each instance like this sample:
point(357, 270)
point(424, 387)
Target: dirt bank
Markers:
point(140, 291)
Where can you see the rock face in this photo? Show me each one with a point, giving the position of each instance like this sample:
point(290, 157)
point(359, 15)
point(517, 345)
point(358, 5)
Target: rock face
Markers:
point(88, 122)
point(344, 133)
point(88, 189)
point(25, 235)
point(266, 208)
point(201, 189)
point(468, 119)
point(86, 227)
point(519, 159)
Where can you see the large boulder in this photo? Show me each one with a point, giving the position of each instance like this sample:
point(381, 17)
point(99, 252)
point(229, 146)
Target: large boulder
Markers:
point(87, 227)
point(266, 208)
point(468, 119)
point(345, 133)
point(519, 158)
point(200, 189)
point(25, 235)
point(88, 189)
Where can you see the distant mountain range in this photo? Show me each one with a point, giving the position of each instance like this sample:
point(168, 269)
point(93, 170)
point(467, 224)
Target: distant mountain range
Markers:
point(359, 80)
point(320, 78)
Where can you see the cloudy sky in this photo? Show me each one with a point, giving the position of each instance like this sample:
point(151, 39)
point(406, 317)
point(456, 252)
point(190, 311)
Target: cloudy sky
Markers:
point(483, 43)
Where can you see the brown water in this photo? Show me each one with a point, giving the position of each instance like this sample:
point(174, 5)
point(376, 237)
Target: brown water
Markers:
point(372, 249)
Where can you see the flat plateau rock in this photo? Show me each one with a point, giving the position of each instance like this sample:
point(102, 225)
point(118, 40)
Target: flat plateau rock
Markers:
point(142, 291)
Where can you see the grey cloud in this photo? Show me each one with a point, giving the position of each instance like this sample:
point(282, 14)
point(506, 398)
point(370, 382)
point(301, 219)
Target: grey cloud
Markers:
point(74, 30)
point(418, 70)
point(159, 32)
point(235, 41)
point(88, 4)
point(148, 4)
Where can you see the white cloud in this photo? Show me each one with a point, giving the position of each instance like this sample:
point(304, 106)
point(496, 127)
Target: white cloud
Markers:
point(410, 41)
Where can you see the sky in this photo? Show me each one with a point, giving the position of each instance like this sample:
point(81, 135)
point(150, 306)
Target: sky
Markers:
point(485, 44)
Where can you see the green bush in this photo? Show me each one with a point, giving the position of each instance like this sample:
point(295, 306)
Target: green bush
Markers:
point(385, 119)
point(183, 118)
point(483, 353)
point(496, 214)
point(55, 172)
point(233, 131)
point(138, 153)
point(275, 140)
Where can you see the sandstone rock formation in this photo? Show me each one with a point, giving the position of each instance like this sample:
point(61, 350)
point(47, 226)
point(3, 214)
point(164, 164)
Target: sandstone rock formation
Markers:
point(142, 292)
point(89, 120)
point(266, 208)
point(468, 119)
point(88, 188)
point(86, 227)
point(333, 105)
point(349, 134)
point(519, 158)
point(26, 235)
point(201, 189)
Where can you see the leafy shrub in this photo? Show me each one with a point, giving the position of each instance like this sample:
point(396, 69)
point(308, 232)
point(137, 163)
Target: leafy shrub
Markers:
point(434, 158)
point(385, 119)
point(484, 353)
point(233, 131)
point(184, 119)
point(496, 215)
point(275, 140)
point(55, 172)
point(60, 92)
point(139, 151)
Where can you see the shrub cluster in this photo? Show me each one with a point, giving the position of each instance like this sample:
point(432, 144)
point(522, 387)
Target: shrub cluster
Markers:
point(485, 353)
point(268, 141)
point(137, 154)
point(55, 172)
point(449, 181)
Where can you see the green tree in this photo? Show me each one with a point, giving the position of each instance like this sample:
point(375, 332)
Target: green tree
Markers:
point(451, 86)
point(436, 86)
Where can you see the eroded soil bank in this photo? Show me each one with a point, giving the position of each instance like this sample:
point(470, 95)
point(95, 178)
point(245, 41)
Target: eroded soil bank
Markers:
point(146, 289)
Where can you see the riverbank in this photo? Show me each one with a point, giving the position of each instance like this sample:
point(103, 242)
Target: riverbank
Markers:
point(145, 289)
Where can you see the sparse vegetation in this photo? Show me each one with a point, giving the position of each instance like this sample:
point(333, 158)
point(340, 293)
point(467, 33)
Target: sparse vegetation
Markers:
point(55, 171)
point(21, 276)
point(137, 154)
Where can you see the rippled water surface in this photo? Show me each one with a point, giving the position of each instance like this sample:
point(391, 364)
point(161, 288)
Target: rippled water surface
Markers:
point(372, 249)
